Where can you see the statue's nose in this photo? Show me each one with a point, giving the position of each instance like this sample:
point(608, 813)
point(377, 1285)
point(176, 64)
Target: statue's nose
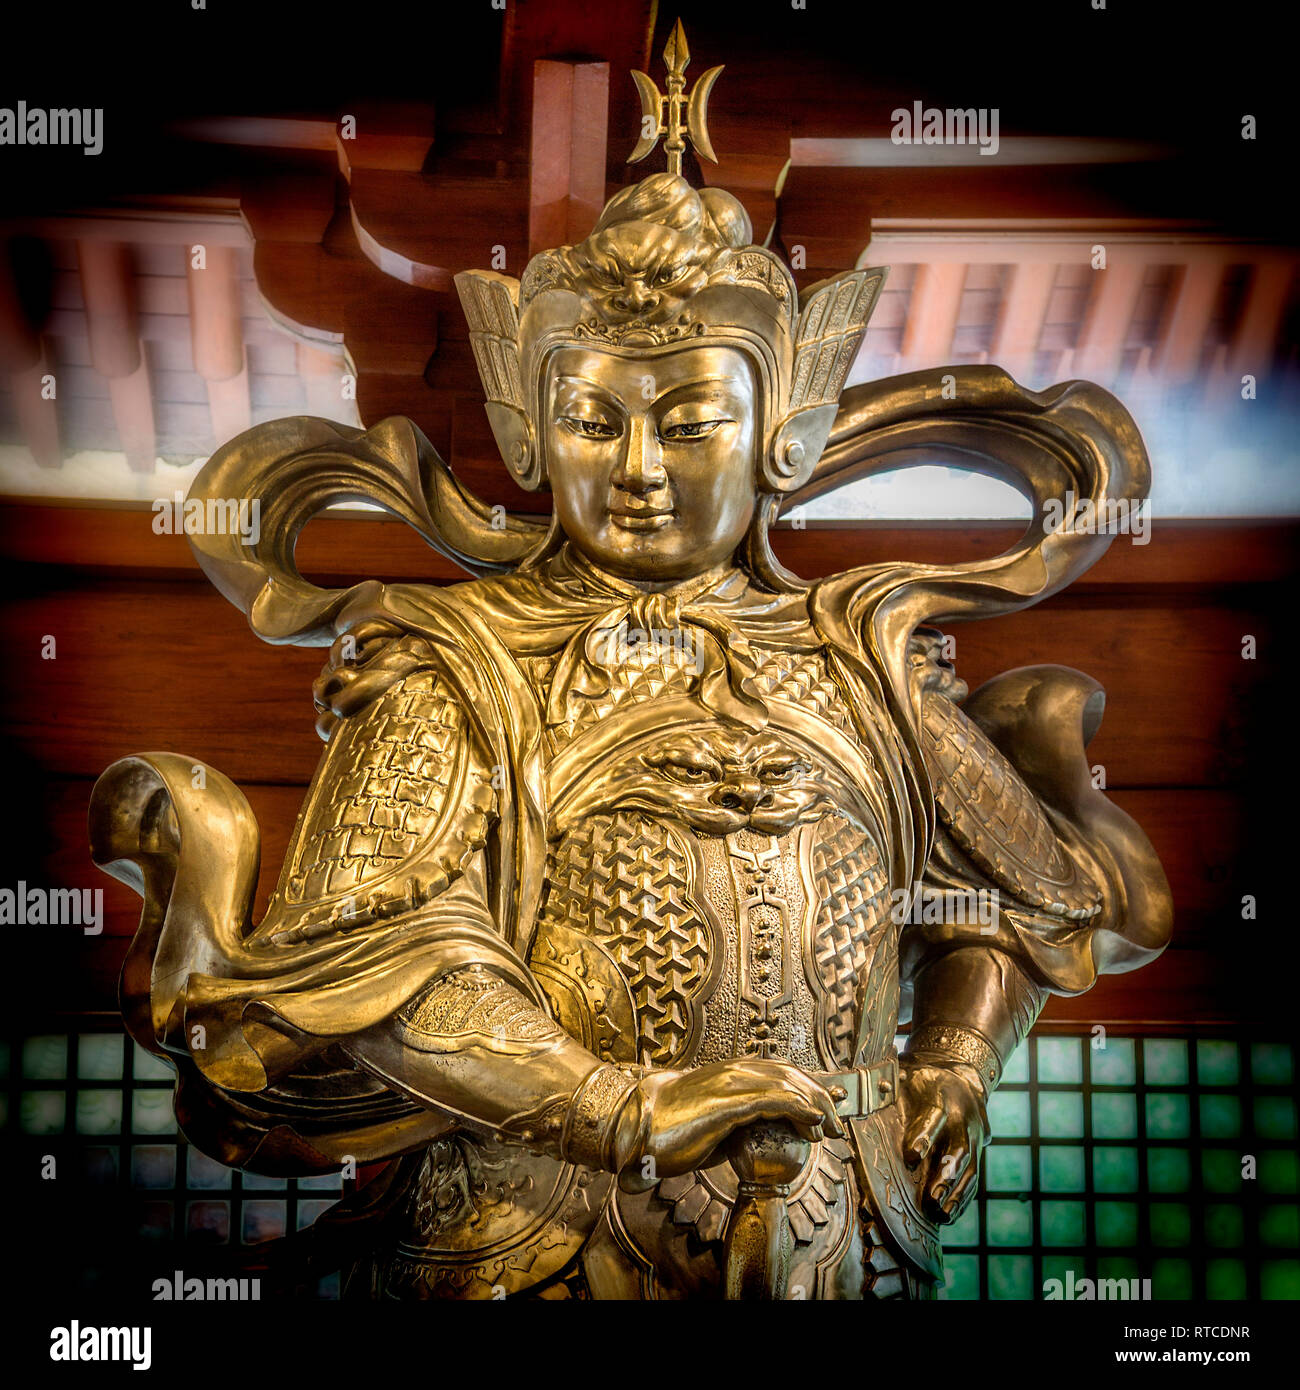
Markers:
point(635, 297)
point(640, 468)
point(741, 794)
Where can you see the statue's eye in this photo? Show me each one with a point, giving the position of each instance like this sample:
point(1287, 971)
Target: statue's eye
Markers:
point(668, 274)
point(694, 429)
point(779, 772)
point(590, 429)
point(691, 772)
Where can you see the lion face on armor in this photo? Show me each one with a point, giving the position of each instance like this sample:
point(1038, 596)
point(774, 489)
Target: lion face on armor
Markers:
point(716, 779)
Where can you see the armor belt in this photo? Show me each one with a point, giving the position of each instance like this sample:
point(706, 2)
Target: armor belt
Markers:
point(866, 1089)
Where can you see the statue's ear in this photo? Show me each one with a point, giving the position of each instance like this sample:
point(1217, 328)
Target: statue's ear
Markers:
point(797, 445)
point(514, 435)
point(831, 326)
point(491, 304)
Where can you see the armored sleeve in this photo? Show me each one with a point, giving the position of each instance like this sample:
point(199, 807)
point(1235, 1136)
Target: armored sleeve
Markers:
point(1036, 883)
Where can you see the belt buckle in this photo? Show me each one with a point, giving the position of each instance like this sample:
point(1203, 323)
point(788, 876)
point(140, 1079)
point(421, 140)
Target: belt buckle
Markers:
point(850, 1082)
point(866, 1089)
point(880, 1084)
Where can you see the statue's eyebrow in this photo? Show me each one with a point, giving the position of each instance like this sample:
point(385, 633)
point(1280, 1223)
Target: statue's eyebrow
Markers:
point(587, 383)
point(706, 381)
point(594, 386)
point(701, 381)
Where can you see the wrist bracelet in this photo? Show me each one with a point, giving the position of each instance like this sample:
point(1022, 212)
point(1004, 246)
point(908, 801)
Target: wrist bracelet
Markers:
point(593, 1115)
point(951, 1043)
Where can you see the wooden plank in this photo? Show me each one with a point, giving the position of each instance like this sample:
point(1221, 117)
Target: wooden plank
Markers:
point(1193, 555)
point(147, 663)
point(1180, 696)
point(1197, 989)
point(1200, 836)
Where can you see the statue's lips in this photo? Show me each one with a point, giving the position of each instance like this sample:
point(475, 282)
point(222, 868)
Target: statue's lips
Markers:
point(640, 519)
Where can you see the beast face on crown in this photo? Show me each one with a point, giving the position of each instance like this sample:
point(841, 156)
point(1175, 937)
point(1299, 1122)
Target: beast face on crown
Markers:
point(657, 245)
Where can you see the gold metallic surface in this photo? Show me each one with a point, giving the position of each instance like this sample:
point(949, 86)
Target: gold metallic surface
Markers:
point(616, 878)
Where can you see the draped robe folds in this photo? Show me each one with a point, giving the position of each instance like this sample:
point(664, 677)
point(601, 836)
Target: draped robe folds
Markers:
point(253, 1023)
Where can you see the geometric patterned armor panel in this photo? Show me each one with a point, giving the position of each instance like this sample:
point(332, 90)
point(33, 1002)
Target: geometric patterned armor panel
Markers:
point(397, 808)
point(996, 819)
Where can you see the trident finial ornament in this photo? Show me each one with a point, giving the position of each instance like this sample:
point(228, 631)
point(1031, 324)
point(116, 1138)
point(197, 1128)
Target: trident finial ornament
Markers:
point(662, 115)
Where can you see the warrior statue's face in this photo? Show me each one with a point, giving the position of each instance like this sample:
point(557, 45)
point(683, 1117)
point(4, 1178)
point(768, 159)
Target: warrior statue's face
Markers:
point(652, 460)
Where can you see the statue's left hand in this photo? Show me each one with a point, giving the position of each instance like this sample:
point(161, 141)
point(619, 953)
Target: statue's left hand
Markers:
point(945, 1129)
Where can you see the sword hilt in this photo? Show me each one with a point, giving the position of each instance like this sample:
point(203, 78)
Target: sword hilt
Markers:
point(757, 1247)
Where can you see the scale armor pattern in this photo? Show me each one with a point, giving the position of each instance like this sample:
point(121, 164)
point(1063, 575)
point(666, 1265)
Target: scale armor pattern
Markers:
point(852, 924)
point(995, 818)
point(624, 880)
point(801, 678)
point(378, 802)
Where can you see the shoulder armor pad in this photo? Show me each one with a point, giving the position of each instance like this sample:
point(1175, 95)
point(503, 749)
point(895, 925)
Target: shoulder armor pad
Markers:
point(398, 804)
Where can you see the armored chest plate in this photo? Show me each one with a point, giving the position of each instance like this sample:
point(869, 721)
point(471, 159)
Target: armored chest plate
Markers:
point(712, 890)
point(661, 946)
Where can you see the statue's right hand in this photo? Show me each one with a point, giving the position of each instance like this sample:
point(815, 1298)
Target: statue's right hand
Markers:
point(676, 1121)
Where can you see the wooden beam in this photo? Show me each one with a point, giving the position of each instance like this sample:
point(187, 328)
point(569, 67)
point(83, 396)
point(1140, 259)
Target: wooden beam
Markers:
point(22, 357)
point(566, 189)
point(217, 339)
point(1178, 354)
point(1020, 321)
point(38, 417)
point(161, 221)
point(132, 399)
point(228, 405)
point(1172, 671)
point(932, 315)
point(1189, 555)
point(1254, 340)
point(423, 230)
point(107, 287)
point(112, 319)
point(1100, 348)
point(216, 319)
point(881, 152)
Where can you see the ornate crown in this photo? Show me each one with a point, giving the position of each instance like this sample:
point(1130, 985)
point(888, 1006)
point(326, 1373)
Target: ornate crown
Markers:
point(665, 265)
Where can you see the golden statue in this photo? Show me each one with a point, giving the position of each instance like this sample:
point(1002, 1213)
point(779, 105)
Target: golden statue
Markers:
point(626, 858)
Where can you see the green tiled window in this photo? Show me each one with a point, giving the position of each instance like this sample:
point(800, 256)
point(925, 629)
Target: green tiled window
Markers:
point(1169, 1159)
point(1164, 1061)
point(1061, 1168)
point(109, 1104)
point(1117, 1223)
point(1009, 1168)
